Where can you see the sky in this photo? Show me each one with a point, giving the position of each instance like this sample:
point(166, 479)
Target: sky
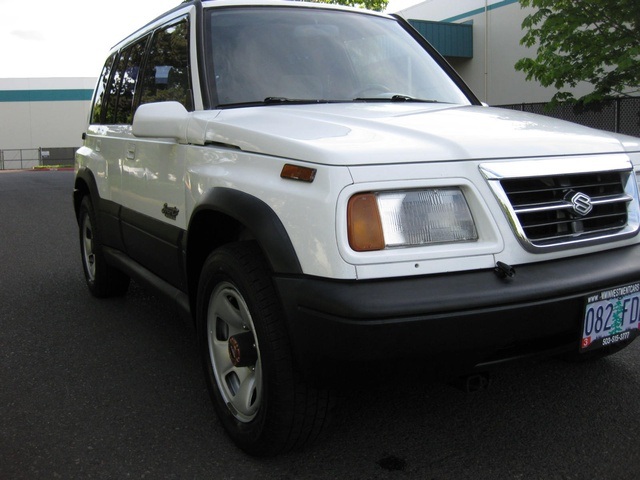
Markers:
point(67, 38)
point(71, 38)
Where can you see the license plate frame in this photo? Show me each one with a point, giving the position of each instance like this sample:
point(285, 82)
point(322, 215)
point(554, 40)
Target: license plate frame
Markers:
point(610, 316)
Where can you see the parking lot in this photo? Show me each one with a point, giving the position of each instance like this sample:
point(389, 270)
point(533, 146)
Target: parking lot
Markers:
point(113, 389)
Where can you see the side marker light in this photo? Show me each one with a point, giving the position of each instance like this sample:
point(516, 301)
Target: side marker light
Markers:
point(295, 172)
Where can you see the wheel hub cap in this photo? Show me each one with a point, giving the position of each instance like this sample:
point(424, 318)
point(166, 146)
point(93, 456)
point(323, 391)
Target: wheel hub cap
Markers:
point(242, 350)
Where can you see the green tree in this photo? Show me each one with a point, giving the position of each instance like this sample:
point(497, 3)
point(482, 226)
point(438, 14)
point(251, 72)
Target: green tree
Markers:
point(376, 5)
point(593, 41)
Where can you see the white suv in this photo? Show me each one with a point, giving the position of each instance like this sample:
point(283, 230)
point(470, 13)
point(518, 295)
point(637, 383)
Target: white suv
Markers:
point(318, 189)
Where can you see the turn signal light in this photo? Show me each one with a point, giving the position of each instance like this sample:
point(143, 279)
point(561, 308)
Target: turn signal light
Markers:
point(363, 223)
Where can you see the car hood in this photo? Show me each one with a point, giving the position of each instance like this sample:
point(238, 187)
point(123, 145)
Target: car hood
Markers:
point(383, 133)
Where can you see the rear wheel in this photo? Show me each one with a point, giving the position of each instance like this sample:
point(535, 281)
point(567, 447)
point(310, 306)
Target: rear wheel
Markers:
point(264, 405)
point(102, 279)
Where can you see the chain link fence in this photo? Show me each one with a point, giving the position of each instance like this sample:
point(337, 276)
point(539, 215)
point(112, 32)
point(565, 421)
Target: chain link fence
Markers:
point(25, 158)
point(621, 115)
point(18, 159)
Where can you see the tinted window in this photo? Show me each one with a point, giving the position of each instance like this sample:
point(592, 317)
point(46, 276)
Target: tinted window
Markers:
point(122, 87)
point(96, 111)
point(166, 73)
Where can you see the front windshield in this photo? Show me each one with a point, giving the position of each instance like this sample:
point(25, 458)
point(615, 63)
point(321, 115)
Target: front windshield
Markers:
point(275, 54)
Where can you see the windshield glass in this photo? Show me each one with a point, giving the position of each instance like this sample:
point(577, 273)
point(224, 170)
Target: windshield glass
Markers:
point(276, 55)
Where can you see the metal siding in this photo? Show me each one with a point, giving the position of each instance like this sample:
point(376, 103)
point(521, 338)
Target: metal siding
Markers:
point(450, 39)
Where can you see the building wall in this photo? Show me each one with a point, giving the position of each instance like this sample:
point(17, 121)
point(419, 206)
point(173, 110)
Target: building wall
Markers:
point(44, 112)
point(496, 48)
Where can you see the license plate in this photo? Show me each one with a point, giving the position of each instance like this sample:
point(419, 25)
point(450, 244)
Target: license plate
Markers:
point(610, 317)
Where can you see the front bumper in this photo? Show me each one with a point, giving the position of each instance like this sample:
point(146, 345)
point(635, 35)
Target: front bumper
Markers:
point(457, 321)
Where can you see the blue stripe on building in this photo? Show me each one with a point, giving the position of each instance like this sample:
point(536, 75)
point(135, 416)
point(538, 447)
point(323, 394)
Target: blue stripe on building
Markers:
point(478, 11)
point(453, 39)
point(67, 95)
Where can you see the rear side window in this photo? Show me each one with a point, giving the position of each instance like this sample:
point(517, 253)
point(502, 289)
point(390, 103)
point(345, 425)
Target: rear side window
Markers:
point(123, 84)
point(166, 74)
point(99, 97)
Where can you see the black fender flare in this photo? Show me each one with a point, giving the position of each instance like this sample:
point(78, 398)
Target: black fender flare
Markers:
point(107, 212)
point(260, 220)
point(86, 176)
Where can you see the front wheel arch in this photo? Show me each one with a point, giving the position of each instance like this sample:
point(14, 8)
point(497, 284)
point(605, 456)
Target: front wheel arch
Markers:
point(290, 413)
point(257, 218)
point(224, 216)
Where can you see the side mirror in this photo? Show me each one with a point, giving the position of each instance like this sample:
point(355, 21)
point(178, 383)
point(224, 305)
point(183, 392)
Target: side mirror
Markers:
point(162, 120)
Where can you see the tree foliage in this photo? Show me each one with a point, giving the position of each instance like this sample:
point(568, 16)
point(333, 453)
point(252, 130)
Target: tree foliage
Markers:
point(376, 5)
point(594, 41)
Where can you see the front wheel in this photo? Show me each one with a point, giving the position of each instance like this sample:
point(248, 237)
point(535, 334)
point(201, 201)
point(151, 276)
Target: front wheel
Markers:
point(262, 402)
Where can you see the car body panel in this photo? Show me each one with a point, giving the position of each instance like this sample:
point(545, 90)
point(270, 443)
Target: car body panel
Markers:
point(183, 179)
point(391, 133)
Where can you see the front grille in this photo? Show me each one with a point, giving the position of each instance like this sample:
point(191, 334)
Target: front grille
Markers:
point(555, 209)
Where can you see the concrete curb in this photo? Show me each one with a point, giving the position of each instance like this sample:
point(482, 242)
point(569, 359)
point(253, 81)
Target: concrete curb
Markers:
point(51, 169)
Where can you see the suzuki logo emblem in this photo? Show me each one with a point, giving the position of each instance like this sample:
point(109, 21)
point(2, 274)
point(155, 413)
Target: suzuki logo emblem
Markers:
point(581, 203)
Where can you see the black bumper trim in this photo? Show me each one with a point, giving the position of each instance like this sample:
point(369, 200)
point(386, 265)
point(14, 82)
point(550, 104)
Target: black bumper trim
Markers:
point(475, 315)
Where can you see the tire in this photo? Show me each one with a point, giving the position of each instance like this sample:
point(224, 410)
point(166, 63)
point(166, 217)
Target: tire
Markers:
point(102, 279)
point(262, 402)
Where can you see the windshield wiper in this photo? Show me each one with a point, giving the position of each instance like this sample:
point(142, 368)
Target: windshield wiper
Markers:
point(292, 101)
point(407, 98)
point(312, 101)
point(275, 101)
point(395, 98)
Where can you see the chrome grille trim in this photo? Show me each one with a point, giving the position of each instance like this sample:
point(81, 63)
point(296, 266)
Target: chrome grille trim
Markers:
point(568, 205)
point(542, 209)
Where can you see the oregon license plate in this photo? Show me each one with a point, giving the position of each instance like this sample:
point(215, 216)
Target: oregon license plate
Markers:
point(610, 317)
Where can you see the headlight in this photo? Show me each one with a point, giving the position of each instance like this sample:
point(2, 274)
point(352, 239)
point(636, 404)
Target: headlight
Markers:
point(408, 218)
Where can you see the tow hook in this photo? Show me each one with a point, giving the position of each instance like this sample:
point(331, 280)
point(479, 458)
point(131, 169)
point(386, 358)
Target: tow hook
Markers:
point(472, 383)
point(504, 270)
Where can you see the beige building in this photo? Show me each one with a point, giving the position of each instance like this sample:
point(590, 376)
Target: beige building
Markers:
point(496, 27)
point(42, 119)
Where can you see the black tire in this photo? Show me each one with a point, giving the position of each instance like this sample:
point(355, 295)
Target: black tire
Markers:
point(102, 279)
point(263, 404)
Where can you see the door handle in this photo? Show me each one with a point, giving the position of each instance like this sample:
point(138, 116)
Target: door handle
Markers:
point(131, 152)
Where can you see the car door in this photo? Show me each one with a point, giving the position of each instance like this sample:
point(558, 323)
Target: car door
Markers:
point(153, 191)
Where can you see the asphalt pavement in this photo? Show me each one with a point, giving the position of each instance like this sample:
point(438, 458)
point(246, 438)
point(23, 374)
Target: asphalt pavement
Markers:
point(113, 389)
